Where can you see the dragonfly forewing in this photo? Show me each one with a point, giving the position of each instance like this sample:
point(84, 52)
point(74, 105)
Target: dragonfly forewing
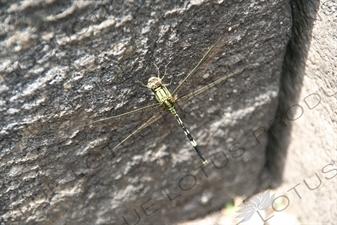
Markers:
point(154, 118)
point(208, 87)
point(193, 71)
point(154, 107)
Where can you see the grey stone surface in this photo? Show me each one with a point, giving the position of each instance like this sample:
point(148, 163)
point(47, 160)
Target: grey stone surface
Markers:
point(301, 151)
point(64, 64)
point(310, 173)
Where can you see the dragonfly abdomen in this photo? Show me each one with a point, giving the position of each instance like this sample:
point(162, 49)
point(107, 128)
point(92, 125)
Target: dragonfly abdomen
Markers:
point(189, 136)
point(165, 98)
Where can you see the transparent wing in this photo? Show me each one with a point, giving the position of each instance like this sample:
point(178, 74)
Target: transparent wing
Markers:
point(128, 119)
point(155, 117)
point(176, 90)
point(208, 86)
point(139, 110)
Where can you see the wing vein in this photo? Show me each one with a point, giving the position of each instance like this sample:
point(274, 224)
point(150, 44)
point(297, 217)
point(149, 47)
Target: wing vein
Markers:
point(195, 68)
point(155, 117)
point(142, 109)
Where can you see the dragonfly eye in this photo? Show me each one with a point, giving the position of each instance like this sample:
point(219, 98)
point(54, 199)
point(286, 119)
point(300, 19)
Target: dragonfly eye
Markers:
point(153, 82)
point(151, 79)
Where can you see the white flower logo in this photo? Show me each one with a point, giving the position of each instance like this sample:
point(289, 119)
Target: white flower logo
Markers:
point(259, 202)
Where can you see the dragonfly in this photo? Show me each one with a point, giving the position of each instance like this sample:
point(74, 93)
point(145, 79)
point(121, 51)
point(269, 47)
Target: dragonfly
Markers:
point(167, 101)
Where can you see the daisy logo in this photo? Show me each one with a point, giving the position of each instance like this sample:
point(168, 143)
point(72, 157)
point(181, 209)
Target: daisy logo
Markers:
point(262, 201)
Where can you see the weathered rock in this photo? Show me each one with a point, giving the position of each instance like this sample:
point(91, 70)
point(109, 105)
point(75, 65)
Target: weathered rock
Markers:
point(309, 174)
point(65, 64)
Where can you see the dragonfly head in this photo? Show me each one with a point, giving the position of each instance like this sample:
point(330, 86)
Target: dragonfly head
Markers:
point(153, 82)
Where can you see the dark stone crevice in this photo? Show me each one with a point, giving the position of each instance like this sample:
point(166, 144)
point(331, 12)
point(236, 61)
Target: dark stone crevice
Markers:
point(292, 74)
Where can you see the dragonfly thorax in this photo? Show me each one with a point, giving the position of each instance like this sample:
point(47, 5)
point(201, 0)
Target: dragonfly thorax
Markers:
point(153, 83)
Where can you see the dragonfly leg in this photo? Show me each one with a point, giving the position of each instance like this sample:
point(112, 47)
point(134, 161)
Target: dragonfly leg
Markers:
point(169, 83)
point(165, 68)
point(158, 73)
point(140, 82)
point(165, 71)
